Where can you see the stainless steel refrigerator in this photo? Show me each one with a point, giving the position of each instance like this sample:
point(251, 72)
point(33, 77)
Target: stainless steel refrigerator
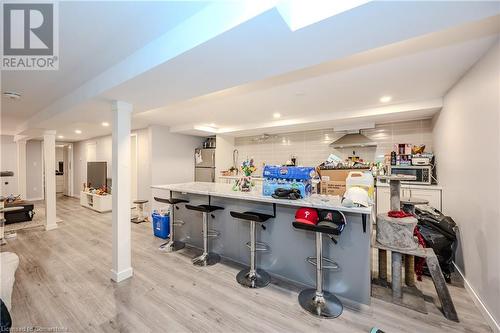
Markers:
point(204, 165)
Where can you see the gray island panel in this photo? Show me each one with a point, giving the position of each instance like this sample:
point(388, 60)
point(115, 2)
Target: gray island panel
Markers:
point(289, 246)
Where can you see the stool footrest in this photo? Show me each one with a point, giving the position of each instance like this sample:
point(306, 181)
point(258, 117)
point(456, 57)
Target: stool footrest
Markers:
point(327, 263)
point(260, 246)
point(179, 223)
point(213, 233)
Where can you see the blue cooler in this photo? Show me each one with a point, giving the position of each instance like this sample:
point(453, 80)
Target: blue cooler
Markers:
point(161, 225)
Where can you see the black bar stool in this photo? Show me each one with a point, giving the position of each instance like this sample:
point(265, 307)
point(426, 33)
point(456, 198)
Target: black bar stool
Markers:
point(317, 301)
point(207, 258)
point(253, 277)
point(172, 245)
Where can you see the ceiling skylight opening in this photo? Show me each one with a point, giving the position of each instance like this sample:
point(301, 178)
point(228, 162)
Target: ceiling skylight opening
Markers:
point(301, 13)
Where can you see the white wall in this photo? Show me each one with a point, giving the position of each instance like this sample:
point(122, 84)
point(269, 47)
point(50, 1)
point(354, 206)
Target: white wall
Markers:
point(162, 157)
point(467, 145)
point(8, 162)
point(172, 157)
point(223, 154)
point(143, 165)
point(34, 170)
point(101, 147)
point(312, 147)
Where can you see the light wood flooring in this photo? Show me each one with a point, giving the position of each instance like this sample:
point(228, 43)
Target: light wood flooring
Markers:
point(63, 282)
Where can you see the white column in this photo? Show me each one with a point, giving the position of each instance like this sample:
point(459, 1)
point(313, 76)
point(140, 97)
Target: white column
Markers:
point(49, 155)
point(122, 268)
point(21, 168)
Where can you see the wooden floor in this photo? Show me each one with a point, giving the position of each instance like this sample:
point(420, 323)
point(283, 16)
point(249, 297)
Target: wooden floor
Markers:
point(63, 282)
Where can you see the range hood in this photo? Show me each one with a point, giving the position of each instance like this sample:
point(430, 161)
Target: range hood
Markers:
point(353, 140)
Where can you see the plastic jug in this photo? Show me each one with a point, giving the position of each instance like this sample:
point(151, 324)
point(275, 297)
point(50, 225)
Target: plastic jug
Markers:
point(361, 179)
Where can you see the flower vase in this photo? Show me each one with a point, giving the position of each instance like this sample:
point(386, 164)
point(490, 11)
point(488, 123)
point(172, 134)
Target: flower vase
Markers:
point(245, 184)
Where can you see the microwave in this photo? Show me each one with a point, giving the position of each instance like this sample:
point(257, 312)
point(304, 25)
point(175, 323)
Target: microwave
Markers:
point(423, 173)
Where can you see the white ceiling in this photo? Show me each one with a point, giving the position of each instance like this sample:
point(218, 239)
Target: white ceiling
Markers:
point(93, 35)
point(316, 77)
point(418, 76)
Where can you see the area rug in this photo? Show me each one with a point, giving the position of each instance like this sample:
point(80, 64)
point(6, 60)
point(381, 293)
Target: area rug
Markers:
point(38, 221)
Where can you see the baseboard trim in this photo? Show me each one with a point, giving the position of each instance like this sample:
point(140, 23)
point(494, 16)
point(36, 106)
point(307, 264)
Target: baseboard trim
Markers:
point(479, 303)
point(34, 199)
point(51, 227)
point(123, 275)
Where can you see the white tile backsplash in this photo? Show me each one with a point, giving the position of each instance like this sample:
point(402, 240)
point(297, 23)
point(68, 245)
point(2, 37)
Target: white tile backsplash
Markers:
point(312, 147)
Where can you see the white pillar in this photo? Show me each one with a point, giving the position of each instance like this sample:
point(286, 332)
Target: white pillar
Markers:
point(122, 268)
point(49, 155)
point(21, 168)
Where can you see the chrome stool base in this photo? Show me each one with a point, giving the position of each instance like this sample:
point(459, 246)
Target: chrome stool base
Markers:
point(206, 259)
point(261, 279)
point(326, 306)
point(172, 246)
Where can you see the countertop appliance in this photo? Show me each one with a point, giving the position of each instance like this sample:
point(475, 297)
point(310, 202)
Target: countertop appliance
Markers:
point(204, 165)
point(423, 173)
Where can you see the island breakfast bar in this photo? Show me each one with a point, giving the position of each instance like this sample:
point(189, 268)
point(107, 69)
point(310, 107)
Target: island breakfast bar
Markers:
point(289, 247)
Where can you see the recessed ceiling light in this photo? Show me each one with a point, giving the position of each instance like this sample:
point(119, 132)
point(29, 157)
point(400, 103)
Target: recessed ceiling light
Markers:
point(385, 99)
point(105, 124)
point(78, 131)
point(276, 115)
point(12, 95)
point(60, 136)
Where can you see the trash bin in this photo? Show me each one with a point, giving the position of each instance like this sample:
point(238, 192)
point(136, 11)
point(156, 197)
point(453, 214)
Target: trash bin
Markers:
point(161, 225)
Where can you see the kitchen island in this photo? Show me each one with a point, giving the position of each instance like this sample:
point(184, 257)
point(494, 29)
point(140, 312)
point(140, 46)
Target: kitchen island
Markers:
point(289, 247)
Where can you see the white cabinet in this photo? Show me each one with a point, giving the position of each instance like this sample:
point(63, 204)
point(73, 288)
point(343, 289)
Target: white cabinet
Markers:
point(383, 199)
point(99, 203)
point(431, 193)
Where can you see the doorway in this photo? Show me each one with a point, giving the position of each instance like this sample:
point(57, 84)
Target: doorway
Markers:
point(133, 168)
point(64, 169)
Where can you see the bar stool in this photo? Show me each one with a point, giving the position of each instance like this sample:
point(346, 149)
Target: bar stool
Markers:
point(207, 258)
point(253, 277)
point(172, 245)
point(318, 302)
point(139, 205)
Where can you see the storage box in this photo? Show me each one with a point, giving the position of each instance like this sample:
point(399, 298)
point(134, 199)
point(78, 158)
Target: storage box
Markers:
point(337, 174)
point(333, 187)
point(334, 175)
point(291, 172)
point(22, 215)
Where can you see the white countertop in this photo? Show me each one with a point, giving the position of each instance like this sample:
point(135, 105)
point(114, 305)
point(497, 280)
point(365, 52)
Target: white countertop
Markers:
point(414, 186)
point(239, 176)
point(226, 191)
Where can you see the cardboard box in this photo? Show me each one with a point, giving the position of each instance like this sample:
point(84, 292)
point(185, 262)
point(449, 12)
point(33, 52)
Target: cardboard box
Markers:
point(334, 175)
point(332, 187)
point(337, 174)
